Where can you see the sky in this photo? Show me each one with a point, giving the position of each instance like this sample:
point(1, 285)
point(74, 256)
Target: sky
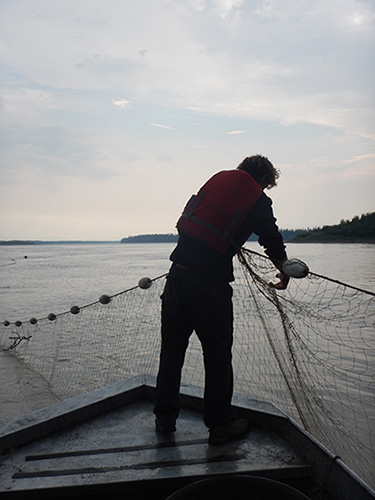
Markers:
point(113, 113)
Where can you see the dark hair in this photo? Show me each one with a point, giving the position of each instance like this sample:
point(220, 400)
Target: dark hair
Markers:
point(261, 170)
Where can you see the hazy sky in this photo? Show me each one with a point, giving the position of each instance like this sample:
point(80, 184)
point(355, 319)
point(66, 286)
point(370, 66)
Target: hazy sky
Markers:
point(114, 112)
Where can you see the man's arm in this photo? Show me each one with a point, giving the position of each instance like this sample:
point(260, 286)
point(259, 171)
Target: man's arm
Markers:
point(270, 238)
point(283, 278)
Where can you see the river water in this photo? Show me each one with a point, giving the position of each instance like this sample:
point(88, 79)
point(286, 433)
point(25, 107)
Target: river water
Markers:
point(37, 280)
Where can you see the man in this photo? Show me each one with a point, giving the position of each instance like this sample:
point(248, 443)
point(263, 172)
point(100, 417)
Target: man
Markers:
point(198, 296)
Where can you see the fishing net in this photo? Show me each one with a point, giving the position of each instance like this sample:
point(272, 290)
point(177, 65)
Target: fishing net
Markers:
point(308, 349)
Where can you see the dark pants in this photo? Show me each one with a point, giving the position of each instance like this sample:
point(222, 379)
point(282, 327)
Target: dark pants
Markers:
point(192, 303)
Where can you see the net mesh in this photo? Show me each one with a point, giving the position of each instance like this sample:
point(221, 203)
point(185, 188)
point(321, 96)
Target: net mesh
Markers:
point(308, 349)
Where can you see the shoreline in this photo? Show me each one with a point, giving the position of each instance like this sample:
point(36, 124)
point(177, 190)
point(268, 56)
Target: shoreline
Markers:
point(56, 243)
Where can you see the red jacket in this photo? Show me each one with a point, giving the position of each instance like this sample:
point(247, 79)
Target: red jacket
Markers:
point(216, 212)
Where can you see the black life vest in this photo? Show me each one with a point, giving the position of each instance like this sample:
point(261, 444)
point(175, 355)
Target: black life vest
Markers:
point(216, 212)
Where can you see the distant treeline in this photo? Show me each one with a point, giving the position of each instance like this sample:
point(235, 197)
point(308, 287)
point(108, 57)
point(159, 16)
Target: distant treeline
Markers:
point(151, 238)
point(17, 242)
point(288, 234)
point(359, 229)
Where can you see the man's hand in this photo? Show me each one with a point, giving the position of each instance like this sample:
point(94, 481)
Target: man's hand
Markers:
point(282, 284)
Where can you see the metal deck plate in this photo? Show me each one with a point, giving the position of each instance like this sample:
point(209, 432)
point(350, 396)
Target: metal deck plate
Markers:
point(123, 447)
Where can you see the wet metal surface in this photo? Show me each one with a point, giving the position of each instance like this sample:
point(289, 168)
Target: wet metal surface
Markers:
point(105, 441)
point(121, 446)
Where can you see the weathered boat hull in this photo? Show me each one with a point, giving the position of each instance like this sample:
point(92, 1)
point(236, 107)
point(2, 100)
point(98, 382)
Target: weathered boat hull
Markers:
point(104, 443)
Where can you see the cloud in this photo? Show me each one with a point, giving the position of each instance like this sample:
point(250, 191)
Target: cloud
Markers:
point(45, 154)
point(360, 158)
point(227, 8)
point(159, 125)
point(212, 56)
point(120, 103)
point(237, 132)
point(292, 80)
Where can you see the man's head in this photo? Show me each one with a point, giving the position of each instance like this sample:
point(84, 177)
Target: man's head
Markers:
point(261, 170)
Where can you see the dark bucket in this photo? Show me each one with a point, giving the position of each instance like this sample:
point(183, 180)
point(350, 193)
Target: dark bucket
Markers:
point(238, 488)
